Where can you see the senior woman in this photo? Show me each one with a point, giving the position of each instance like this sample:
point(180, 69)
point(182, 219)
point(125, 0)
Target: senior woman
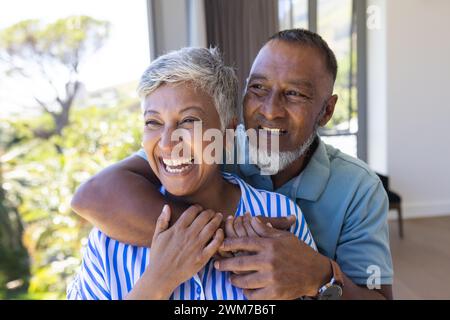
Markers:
point(179, 90)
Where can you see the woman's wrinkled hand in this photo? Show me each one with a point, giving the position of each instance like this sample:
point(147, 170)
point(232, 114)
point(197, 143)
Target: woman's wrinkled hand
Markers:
point(178, 252)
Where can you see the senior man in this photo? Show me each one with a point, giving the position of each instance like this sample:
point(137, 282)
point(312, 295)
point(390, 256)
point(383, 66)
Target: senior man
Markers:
point(289, 92)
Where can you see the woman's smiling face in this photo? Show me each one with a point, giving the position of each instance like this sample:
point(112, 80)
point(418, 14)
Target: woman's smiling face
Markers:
point(168, 108)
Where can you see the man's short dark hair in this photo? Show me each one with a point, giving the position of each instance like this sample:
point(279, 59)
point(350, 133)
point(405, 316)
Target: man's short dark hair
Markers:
point(308, 38)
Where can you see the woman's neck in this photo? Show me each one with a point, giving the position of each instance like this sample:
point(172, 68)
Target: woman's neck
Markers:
point(217, 194)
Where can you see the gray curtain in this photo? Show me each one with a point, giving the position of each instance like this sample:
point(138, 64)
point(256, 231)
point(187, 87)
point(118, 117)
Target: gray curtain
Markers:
point(239, 28)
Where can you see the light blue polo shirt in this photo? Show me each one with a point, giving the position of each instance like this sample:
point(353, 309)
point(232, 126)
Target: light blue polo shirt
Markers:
point(345, 206)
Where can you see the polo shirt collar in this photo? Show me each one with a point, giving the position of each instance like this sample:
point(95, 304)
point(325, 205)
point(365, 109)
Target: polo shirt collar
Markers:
point(314, 177)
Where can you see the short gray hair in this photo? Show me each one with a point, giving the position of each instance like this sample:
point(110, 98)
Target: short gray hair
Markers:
point(312, 39)
point(202, 67)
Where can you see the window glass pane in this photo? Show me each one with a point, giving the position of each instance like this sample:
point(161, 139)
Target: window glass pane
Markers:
point(68, 108)
point(334, 24)
point(345, 143)
point(300, 14)
point(110, 74)
point(293, 14)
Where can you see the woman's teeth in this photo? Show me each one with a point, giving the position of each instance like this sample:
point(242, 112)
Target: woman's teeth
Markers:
point(177, 162)
point(174, 170)
point(177, 165)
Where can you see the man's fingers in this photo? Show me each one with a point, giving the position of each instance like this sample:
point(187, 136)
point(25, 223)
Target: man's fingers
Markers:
point(243, 244)
point(229, 233)
point(253, 280)
point(240, 263)
point(163, 221)
point(223, 254)
point(229, 227)
point(283, 223)
point(239, 227)
point(214, 245)
point(264, 230)
point(248, 226)
point(189, 215)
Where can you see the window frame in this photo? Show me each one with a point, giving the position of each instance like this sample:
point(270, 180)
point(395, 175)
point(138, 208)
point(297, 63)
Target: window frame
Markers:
point(361, 74)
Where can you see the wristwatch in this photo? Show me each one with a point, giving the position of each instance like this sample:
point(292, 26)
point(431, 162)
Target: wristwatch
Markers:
point(333, 289)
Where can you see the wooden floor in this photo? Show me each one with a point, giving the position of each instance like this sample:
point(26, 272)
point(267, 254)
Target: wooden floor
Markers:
point(421, 259)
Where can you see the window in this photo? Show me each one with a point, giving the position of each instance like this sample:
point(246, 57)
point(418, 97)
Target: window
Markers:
point(336, 21)
point(293, 14)
point(110, 75)
point(58, 58)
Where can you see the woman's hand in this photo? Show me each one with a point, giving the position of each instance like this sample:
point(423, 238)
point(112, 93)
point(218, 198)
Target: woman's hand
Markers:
point(178, 252)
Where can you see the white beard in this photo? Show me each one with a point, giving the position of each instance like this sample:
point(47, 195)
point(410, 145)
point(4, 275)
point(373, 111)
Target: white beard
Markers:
point(278, 160)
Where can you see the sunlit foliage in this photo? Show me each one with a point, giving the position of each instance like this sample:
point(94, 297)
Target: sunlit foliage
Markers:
point(40, 177)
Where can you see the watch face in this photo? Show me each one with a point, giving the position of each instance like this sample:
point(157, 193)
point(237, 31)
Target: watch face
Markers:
point(333, 292)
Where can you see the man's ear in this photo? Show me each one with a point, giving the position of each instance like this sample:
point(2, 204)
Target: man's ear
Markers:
point(329, 110)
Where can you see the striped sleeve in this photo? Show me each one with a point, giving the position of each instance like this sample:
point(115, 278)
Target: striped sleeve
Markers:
point(278, 205)
point(73, 289)
point(300, 228)
point(90, 283)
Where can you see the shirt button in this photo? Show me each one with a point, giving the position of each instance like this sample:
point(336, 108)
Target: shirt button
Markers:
point(199, 290)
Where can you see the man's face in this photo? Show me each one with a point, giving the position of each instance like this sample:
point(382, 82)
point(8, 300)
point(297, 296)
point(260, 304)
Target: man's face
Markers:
point(287, 89)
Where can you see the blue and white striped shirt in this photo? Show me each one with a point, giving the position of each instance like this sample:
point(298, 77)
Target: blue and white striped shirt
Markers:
point(110, 268)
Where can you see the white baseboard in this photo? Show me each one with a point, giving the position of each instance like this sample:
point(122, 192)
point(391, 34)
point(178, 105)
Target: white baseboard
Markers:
point(422, 210)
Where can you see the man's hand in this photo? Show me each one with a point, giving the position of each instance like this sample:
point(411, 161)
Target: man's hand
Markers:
point(281, 266)
point(237, 227)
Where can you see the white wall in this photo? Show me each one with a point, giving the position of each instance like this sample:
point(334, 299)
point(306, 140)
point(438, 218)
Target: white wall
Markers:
point(414, 100)
point(377, 86)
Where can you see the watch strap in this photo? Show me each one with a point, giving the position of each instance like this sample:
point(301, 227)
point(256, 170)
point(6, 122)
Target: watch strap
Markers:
point(337, 278)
